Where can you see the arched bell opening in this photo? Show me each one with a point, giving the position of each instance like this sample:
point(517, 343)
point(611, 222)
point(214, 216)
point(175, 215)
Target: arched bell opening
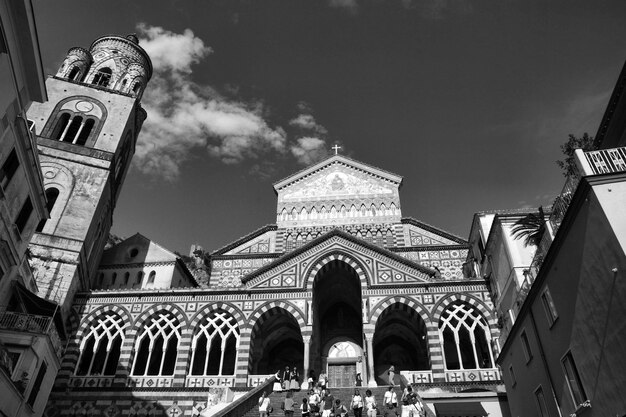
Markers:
point(337, 323)
point(401, 341)
point(276, 342)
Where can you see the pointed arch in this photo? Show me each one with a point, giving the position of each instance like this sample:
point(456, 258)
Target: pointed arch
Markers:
point(353, 211)
point(284, 215)
point(389, 241)
point(156, 346)
point(467, 298)
point(466, 338)
point(397, 301)
point(303, 214)
point(393, 209)
point(373, 210)
point(363, 210)
point(333, 212)
point(383, 209)
point(294, 214)
point(342, 211)
point(100, 347)
point(175, 310)
point(313, 215)
point(323, 212)
point(214, 344)
point(314, 268)
point(267, 310)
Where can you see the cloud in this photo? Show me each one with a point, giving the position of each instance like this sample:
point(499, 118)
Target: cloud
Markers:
point(185, 117)
point(309, 150)
point(348, 5)
point(307, 122)
point(173, 51)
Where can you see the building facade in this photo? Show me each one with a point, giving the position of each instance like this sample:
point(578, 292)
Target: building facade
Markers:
point(341, 284)
point(30, 338)
point(86, 135)
point(563, 355)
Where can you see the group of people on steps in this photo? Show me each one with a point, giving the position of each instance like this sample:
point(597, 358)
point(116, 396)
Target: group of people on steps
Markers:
point(320, 402)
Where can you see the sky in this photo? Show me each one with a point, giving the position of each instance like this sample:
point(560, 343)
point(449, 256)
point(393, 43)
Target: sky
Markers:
point(468, 100)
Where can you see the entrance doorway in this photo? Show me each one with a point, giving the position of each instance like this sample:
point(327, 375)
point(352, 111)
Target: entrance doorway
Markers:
point(341, 375)
point(344, 361)
point(337, 337)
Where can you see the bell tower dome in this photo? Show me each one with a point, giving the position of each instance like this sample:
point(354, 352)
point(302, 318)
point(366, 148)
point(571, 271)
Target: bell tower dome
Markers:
point(86, 137)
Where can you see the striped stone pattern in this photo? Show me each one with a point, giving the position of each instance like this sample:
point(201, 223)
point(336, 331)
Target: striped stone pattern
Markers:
point(436, 352)
point(72, 352)
point(398, 235)
point(337, 256)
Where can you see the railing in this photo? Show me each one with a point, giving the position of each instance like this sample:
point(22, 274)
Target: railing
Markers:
point(244, 404)
point(418, 377)
point(256, 380)
point(604, 161)
point(473, 375)
point(209, 381)
point(22, 322)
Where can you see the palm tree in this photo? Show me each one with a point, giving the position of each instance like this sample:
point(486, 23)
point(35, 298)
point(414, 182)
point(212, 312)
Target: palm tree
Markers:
point(530, 228)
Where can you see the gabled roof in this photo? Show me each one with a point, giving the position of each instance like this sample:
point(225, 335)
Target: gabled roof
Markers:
point(346, 236)
point(433, 229)
point(337, 159)
point(148, 251)
point(244, 239)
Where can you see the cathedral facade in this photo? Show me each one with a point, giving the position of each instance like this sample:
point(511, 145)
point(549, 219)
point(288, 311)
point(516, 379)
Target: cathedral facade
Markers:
point(341, 284)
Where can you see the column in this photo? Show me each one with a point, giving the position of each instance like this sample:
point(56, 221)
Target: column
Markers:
point(305, 375)
point(369, 338)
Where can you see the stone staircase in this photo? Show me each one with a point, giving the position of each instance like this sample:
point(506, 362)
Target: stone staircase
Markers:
point(342, 393)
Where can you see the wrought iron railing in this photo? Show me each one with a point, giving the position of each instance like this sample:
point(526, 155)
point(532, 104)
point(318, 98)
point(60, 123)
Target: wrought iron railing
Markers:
point(22, 322)
point(604, 161)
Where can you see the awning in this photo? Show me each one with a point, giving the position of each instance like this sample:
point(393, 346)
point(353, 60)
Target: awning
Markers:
point(33, 304)
point(460, 409)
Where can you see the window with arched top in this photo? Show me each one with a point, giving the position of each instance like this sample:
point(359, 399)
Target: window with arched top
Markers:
point(100, 348)
point(466, 338)
point(151, 277)
point(214, 346)
point(73, 128)
point(126, 278)
point(136, 87)
point(84, 132)
point(102, 77)
point(289, 242)
point(157, 346)
point(74, 73)
point(389, 238)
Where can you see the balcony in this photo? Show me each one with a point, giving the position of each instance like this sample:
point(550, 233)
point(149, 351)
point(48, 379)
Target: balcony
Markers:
point(30, 323)
point(603, 161)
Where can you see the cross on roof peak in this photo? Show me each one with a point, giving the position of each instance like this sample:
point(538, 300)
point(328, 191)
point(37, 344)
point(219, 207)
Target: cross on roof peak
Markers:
point(336, 149)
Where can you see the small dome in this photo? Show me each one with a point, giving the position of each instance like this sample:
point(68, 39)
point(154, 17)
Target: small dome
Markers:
point(133, 38)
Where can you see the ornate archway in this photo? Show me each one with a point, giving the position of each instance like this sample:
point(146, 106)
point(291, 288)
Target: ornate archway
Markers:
point(337, 322)
point(401, 340)
point(276, 342)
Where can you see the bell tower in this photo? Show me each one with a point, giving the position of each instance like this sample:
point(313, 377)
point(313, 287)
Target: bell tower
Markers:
point(86, 136)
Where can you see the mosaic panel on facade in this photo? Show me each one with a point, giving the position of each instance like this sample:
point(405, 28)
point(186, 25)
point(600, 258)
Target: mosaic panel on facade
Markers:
point(422, 237)
point(227, 273)
point(448, 261)
point(261, 246)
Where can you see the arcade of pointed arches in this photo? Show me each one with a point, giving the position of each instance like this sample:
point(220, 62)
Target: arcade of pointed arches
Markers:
point(214, 334)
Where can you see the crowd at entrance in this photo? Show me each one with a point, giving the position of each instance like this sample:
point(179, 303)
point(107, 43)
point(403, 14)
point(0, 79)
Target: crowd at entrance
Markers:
point(320, 401)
